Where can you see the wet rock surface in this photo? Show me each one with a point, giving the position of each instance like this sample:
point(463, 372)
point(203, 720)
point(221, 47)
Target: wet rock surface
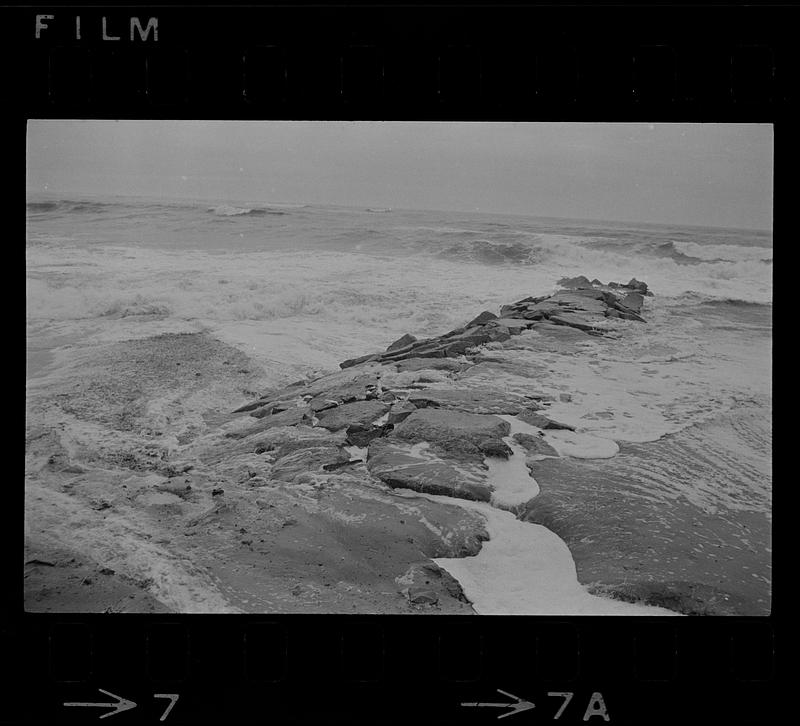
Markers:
point(627, 546)
point(453, 432)
point(580, 309)
point(360, 413)
point(427, 470)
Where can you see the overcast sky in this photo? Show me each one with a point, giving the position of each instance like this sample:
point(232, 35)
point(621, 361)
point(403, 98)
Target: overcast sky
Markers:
point(696, 174)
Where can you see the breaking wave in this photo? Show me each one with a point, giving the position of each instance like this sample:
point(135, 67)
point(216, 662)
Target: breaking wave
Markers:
point(723, 252)
point(491, 253)
point(226, 210)
point(138, 305)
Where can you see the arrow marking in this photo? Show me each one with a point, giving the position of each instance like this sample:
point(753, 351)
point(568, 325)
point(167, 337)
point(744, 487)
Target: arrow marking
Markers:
point(122, 704)
point(517, 707)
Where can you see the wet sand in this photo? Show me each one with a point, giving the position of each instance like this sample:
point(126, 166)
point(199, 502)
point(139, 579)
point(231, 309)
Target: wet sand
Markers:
point(126, 510)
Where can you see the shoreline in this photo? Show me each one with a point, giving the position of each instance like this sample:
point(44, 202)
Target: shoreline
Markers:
point(335, 492)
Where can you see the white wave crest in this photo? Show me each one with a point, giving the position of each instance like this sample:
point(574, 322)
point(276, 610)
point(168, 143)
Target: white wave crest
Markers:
point(729, 253)
point(226, 210)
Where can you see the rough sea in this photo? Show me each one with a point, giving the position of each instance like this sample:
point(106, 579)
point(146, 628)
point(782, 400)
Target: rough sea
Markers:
point(300, 288)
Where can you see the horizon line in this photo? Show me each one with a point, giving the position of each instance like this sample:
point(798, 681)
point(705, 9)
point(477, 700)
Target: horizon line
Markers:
point(366, 207)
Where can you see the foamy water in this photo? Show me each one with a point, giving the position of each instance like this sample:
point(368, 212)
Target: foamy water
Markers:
point(524, 568)
point(299, 289)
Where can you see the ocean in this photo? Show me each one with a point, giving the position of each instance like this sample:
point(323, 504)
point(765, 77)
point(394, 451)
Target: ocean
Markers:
point(300, 288)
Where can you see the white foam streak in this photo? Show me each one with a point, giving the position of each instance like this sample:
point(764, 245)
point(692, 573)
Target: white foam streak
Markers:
point(510, 479)
point(525, 569)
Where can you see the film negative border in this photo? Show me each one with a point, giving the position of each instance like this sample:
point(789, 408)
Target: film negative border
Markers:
point(435, 63)
point(300, 669)
point(373, 63)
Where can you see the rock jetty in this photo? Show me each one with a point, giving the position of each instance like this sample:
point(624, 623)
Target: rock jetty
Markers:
point(426, 426)
point(583, 306)
point(345, 493)
point(430, 415)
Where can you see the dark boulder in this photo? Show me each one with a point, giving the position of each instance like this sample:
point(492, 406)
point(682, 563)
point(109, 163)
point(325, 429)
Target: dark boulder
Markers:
point(633, 301)
point(407, 339)
point(575, 282)
point(513, 311)
point(635, 284)
point(360, 435)
point(401, 411)
point(500, 334)
point(484, 317)
point(535, 444)
point(536, 419)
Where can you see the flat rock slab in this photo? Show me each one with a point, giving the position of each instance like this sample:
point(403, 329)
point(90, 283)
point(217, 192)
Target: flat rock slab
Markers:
point(454, 432)
point(573, 320)
point(580, 302)
point(545, 308)
point(489, 367)
point(358, 412)
point(470, 400)
point(590, 292)
point(326, 383)
point(281, 442)
point(417, 467)
point(631, 545)
point(304, 460)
